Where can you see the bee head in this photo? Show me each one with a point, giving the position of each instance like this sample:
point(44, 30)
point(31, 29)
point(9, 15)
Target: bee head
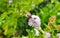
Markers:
point(28, 15)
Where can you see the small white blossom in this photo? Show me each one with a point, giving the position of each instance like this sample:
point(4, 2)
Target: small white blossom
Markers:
point(58, 35)
point(33, 5)
point(37, 32)
point(34, 21)
point(47, 34)
point(10, 1)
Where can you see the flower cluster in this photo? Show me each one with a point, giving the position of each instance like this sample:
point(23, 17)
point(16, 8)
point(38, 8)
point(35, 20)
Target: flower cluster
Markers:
point(34, 21)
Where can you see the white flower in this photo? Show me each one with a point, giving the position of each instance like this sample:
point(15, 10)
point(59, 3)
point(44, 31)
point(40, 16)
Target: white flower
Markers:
point(34, 21)
point(47, 34)
point(10, 1)
point(33, 5)
point(37, 32)
point(58, 35)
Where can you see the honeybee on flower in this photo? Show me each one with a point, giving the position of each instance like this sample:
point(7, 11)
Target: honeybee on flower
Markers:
point(34, 21)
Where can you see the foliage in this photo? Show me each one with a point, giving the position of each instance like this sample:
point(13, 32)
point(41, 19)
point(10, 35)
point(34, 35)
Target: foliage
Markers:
point(13, 22)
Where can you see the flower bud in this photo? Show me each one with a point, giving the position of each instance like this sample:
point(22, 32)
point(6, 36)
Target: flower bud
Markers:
point(10, 1)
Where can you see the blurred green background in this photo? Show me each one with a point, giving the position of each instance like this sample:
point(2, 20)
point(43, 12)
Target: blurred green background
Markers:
point(13, 23)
